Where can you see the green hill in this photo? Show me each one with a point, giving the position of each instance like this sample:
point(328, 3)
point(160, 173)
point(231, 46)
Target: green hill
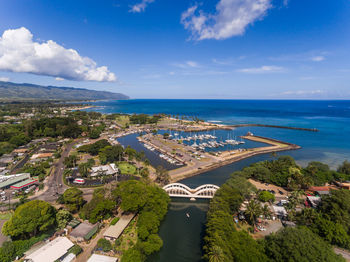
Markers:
point(28, 92)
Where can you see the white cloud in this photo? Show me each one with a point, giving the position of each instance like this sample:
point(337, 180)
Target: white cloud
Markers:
point(4, 79)
point(303, 92)
point(59, 79)
point(262, 69)
point(19, 53)
point(318, 58)
point(231, 18)
point(140, 7)
point(187, 64)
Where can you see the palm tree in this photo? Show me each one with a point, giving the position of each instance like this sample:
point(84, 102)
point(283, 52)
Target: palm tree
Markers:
point(216, 254)
point(266, 211)
point(253, 211)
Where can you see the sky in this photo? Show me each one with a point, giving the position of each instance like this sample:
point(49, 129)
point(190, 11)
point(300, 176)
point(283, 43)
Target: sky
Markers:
point(213, 49)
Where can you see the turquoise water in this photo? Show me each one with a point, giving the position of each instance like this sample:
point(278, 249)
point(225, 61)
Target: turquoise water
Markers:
point(332, 118)
point(182, 236)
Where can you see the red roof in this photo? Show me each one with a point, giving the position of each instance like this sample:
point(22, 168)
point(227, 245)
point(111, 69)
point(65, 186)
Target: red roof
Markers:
point(319, 188)
point(28, 184)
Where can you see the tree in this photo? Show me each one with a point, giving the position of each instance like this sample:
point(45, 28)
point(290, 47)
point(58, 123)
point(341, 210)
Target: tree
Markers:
point(132, 194)
point(152, 244)
point(132, 255)
point(147, 224)
point(216, 254)
point(30, 219)
point(298, 245)
point(266, 196)
point(104, 244)
point(253, 211)
point(84, 169)
point(266, 212)
point(345, 168)
point(162, 175)
point(73, 198)
point(62, 218)
point(166, 135)
point(70, 161)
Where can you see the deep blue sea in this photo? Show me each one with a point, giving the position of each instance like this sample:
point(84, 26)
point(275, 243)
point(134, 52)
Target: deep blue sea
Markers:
point(183, 236)
point(332, 118)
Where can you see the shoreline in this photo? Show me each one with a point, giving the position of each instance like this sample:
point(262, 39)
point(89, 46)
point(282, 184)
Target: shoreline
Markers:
point(229, 158)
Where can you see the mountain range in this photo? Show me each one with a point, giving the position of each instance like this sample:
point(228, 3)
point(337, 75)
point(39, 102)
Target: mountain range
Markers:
point(28, 92)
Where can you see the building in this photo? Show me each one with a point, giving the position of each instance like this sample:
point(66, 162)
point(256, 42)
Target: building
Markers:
point(114, 231)
point(24, 184)
point(57, 249)
point(321, 190)
point(314, 201)
point(7, 181)
point(6, 160)
point(41, 156)
point(109, 169)
point(84, 231)
point(279, 211)
point(101, 258)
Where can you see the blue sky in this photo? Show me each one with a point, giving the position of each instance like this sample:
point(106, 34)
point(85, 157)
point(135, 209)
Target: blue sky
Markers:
point(220, 49)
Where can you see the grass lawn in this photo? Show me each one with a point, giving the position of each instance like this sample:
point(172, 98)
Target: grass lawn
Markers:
point(127, 169)
point(129, 237)
point(123, 121)
point(5, 216)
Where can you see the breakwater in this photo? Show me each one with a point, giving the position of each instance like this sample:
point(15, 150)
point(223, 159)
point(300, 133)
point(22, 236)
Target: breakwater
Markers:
point(276, 126)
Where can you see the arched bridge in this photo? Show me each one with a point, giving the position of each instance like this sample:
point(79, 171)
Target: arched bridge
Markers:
point(181, 190)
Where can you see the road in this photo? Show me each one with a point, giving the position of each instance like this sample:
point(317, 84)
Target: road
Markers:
point(83, 257)
point(56, 179)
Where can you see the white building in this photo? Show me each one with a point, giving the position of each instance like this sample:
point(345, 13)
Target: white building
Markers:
point(52, 251)
point(109, 169)
point(101, 258)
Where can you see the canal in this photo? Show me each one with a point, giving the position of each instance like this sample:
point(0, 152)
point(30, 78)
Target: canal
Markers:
point(182, 236)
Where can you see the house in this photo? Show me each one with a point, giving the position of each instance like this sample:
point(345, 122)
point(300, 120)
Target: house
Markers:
point(41, 156)
point(114, 231)
point(279, 211)
point(101, 258)
point(84, 231)
point(109, 169)
point(314, 201)
point(321, 190)
point(57, 249)
point(345, 185)
point(6, 159)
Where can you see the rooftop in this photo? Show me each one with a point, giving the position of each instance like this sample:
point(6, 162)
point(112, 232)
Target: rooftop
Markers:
point(83, 230)
point(101, 258)
point(24, 183)
point(52, 250)
point(116, 230)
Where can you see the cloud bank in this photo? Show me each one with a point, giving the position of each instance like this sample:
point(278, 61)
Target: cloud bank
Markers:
point(231, 18)
point(140, 7)
point(262, 69)
point(19, 53)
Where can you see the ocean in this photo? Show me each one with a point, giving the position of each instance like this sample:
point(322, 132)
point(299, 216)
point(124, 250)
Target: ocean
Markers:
point(330, 145)
point(183, 236)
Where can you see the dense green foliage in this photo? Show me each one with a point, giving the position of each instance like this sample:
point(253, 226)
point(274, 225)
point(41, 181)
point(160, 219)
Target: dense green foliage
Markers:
point(30, 219)
point(152, 204)
point(11, 249)
point(331, 220)
point(104, 244)
point(94, 149)
point(298, 245)
point(266, 196)
point(144, 119)
point(329, 223)
point(286, 173)
point(100, 207)
point(222, 240)
point(62, 218)
point(73, 199)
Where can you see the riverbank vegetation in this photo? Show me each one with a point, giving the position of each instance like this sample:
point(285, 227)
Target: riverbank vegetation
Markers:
point(151, 203)
point(317, 228)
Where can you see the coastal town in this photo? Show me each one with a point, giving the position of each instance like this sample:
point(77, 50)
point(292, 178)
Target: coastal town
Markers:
point(80, 166)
